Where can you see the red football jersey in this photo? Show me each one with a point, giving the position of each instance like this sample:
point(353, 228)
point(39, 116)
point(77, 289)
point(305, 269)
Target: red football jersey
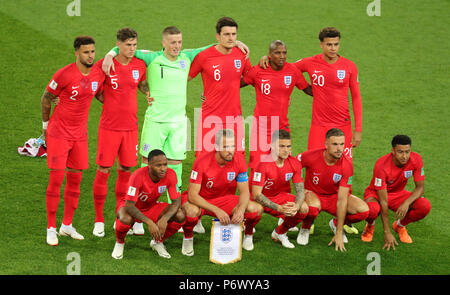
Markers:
point(146, 193)
point(330, 84)
point(221, 75)
point(386, 175)
point(215, 180)
point(275, 180)
point(273, 91)
point(75, 92)
point(322, 178)
point(120, 92)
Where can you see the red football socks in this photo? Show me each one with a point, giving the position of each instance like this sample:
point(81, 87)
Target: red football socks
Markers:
point(52, 195)
point(71, 195)
point(100, 190)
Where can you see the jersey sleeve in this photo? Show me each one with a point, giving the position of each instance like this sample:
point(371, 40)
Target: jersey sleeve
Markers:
point(146, 55)
point(196, 173)
point(196, 66)
point(419, 172)
point(347, 174)
point(301, 81)
point(356, 98)
point(57, 84)
point(259, 176)
point(192, 53)
point(301, 65)
point(250, 76)
point(135, 183)
point(172, 187)
point(297, 177)
point(379, 176)
point(242, 172)
point(247, 66)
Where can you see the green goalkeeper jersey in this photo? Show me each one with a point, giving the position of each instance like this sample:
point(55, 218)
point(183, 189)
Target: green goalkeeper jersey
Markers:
point(168, 82)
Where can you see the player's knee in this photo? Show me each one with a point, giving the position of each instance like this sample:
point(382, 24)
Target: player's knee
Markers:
point(374, 209)
point(103, 169)
point(124, 217)
point(304, 207)
point(179, 217)
point(191, 210)
point(255, 207)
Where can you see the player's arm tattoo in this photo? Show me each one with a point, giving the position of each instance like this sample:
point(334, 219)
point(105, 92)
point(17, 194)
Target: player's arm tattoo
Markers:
point(173, 209)
point(135, 212)
point(46, 104)
point(299, 193)
point(263, 200)
point(308, 90)
point(143, 87)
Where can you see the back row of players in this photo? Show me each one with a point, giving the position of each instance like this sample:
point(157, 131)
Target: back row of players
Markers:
point(220, 165)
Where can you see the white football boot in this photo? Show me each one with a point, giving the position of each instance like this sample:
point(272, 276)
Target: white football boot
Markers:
point(247, 242)
point(160, 248)
point(99, 229)
point(303, 236)
point(188, 247)
point(117, 253)
point(283, 239)
point(52, 236)
point(138, 229)
point(69, 230)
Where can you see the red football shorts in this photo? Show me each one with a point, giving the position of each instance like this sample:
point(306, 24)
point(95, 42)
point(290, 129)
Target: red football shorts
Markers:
point(120, 144)
point(280, 199)
point(316, 139)
point(260, 140)
point(328, 203)
point(208, 128)
point(152, 212)
point(394, 199)
point(63, 153)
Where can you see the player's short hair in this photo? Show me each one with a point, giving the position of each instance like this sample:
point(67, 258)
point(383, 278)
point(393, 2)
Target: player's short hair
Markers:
point(223, 133)
point(125, 34)
point(280, 134)
point(82, 40)
point(225, 22)
point(171, 30)
point(155, 153)
point(334, 132)
point(401, 139)
point(274, 44)
point(329, 32)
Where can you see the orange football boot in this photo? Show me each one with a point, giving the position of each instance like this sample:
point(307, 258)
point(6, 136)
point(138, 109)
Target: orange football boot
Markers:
point(367, 235)
point(402, 233)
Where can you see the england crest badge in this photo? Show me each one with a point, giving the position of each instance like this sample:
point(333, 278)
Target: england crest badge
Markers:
point(231, 176)
point(94, 86)
point(135, 74)
point(408, 173)
point(337, 177)
point(341, 74)
point(287, 80)
point(288, 176)
point(162, 189)
point(182, 64)
point(237, 64)
point(226, 235)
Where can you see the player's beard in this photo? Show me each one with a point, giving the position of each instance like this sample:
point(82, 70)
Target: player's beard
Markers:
point(87, 65)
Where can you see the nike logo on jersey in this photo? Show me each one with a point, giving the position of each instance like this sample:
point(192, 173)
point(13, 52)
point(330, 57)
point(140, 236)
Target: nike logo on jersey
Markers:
point(265, 80)
point(75, 87)
point(316, 71)
point(215, 66)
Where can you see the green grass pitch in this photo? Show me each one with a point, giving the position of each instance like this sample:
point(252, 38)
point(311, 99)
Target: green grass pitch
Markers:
point(403, 72)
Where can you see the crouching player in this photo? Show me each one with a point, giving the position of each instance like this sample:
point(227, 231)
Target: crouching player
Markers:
point(271, 187)
point(212, 191)
point(146, 185)
point(387, 191)
point(328, 180)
